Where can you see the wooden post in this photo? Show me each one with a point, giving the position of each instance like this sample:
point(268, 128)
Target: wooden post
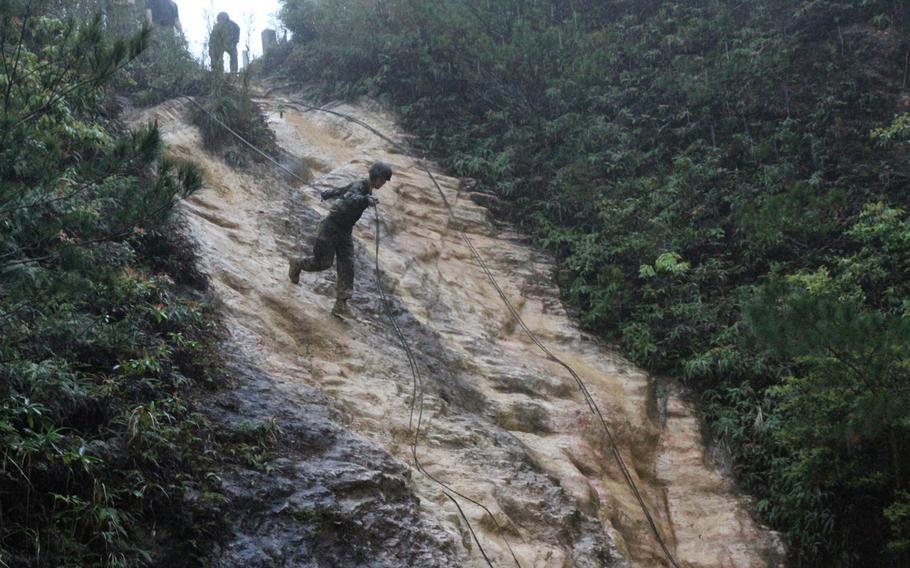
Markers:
point(269, 38)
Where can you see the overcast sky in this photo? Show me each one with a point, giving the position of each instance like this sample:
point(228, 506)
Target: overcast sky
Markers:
point(194, 14)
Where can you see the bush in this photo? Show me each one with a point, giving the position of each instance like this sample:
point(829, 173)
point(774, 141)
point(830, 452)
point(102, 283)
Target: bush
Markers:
point(228, 105)
point(101, 351)
point(164, 70)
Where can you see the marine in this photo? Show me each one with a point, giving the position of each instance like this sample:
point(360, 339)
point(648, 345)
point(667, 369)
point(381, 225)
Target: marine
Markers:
point(163, 13)
point(224, 38)
point(334, 239)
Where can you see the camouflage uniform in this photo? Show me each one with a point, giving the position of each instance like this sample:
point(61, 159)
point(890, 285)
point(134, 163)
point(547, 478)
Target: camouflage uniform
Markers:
point(164, 13)
point(334, 239)
point(122, 17)
point(224, 38)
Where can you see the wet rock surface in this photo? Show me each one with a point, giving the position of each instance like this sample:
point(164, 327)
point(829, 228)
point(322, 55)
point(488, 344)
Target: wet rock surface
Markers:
point(329, 499)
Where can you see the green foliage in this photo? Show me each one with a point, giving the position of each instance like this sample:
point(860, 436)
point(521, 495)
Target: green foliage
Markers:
point(102, 346)
point(163, 71)
point(898, 514)
point(687, 161)
point(899, 130)
point(251, 442)
point(230, 106)
point(843, 411)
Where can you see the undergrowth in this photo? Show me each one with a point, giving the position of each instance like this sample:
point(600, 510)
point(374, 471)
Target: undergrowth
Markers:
point(725, 185)
point(107, 339)
point(228, 104)
point(164, 70)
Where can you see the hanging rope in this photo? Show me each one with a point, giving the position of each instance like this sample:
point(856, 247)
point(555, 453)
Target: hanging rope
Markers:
point(417, 395)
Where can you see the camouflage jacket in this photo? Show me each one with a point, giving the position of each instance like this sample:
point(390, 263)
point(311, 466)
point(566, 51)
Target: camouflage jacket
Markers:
point(164, 12)
point(349, 202)
point(225, 36)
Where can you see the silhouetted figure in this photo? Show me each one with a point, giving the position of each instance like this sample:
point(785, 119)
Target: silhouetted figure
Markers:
point(163, 13)
point(225, 37)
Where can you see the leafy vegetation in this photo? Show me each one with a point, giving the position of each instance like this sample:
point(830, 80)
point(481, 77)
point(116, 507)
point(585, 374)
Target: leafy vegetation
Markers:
point(164, 70)
point(105, 338)
point(725, 187)
point(229, 105)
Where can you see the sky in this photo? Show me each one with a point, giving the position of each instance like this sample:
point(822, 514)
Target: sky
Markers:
point(193, 17)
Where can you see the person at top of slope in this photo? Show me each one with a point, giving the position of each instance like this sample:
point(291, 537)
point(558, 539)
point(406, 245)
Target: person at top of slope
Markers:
point(224, 39)
point(334, 239)
point(163, 13)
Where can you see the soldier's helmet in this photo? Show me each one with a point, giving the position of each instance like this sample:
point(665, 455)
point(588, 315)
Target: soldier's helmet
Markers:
point(381, 170)
point(223, 17)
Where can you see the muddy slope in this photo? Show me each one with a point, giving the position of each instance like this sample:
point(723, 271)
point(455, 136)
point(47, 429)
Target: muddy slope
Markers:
point(503, 425)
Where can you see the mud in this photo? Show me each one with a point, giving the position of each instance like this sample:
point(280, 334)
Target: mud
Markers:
point(503, 424)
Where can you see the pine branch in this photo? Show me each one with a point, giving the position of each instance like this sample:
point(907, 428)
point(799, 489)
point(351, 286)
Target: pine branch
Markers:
point(75, 192)
point(111, 237)
point(135, 46)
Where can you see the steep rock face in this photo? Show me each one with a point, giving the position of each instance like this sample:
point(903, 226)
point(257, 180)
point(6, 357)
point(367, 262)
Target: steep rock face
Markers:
point(328, 498)
point(501, 424)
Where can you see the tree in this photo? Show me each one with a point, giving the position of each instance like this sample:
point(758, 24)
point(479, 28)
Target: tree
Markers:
point(97, 348)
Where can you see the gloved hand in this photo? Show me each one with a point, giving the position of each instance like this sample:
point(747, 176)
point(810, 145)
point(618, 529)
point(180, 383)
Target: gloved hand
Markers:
point(322, 195)
point(372, 201)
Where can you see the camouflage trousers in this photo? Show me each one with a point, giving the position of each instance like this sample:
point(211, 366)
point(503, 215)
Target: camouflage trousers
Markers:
point(217, 55)
point(333, 241)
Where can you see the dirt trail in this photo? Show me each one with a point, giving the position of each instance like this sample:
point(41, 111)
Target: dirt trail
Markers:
point(503, 425)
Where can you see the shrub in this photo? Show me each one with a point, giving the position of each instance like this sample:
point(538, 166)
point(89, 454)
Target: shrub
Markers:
point(164, 70)
point(101, 352)
point(228, 105)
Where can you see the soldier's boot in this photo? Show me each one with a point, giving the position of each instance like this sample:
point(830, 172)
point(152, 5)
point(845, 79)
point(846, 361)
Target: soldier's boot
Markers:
point(294, 270)
point(340, 310)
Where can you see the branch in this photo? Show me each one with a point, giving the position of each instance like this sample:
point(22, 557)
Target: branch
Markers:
point(110, 237)
point(93, 79)
point(13, 311)
point(74, 192)
point(9, 84)
point(58, 80)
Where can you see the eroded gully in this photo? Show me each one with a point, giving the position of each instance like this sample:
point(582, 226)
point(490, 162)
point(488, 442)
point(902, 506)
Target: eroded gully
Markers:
point(502, 424)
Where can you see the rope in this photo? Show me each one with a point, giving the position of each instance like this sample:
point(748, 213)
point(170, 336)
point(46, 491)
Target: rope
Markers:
point(589, 400)
point(247, 143)
point(417, 392)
